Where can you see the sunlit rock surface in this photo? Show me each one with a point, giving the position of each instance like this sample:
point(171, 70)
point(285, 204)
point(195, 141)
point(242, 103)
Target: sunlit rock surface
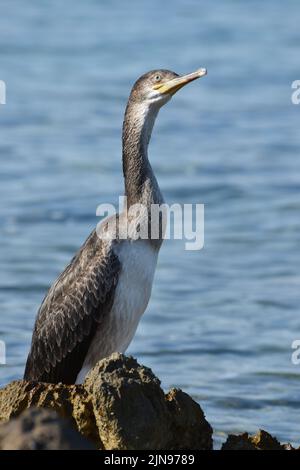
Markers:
point(119, 406)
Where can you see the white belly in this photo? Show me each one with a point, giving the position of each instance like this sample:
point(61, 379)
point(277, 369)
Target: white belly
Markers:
point(133, 292)
point(138, 259)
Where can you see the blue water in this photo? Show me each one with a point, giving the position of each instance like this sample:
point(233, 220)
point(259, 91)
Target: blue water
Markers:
point(221, 321)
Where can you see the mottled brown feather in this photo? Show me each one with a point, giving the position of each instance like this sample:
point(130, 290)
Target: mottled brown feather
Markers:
point(71, 312)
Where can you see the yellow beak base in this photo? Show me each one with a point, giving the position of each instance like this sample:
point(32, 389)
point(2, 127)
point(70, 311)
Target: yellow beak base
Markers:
point(172, 86)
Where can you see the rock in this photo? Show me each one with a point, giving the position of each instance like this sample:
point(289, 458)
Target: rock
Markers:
point(70, 401)
point(260, 441)
point(132, 412)
point(40, 429)
point(129, 406)
point(264, 441)
point(190, 430)
point(238, 442)
point(120, 406)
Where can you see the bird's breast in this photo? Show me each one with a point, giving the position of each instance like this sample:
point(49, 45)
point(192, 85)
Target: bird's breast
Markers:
point(138, 260)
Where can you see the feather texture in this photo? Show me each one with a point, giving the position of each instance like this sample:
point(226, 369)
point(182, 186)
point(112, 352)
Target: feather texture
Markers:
point(71, 312)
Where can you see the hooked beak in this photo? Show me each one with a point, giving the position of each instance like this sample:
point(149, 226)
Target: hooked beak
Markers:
point(172, 86)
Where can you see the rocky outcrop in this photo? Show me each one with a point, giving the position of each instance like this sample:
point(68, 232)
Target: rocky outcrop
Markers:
point(120, 406)
point(260, 441)
point(71, 402)
point(41, 429)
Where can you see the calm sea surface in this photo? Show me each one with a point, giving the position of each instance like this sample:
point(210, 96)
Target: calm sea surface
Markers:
point(221, 320)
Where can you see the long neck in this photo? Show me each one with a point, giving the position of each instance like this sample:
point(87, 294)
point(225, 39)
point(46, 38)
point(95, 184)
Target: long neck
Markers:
point(140, 182)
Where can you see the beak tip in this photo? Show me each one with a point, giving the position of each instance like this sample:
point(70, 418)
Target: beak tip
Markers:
point(202, 72)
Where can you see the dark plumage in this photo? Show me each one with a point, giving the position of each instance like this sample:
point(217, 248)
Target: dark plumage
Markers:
point(72, 310)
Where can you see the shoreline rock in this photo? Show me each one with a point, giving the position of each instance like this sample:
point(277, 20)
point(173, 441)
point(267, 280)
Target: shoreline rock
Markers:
point(262, 440)
point(41, 429)
point(120, 406)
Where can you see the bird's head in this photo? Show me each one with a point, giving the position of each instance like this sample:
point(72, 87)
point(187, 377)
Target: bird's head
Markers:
point(149, 93)
point(155, 88)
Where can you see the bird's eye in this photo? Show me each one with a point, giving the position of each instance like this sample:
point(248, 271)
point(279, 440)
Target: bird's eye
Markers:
point(157, 78)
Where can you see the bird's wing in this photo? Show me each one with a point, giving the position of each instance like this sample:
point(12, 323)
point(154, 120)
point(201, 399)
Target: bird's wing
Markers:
point(71, 312)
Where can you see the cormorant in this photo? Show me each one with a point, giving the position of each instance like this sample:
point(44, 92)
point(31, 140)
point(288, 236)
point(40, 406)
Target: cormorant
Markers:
point(95, 305)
